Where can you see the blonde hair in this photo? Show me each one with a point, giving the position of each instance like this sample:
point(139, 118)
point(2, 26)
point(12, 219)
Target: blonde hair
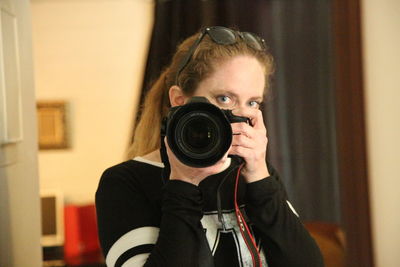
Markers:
point(202, 64)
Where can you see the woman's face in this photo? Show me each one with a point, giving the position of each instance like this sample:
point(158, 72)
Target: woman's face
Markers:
point(236, 84)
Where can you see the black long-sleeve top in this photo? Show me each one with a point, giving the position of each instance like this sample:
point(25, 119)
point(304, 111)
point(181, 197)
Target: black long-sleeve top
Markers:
point(146, 221)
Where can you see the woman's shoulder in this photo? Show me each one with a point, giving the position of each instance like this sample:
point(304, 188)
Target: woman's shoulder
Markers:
point(136, 174)
point(134, 168)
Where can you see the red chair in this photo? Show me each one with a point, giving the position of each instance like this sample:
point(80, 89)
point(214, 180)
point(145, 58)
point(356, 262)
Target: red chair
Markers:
point(81, 245)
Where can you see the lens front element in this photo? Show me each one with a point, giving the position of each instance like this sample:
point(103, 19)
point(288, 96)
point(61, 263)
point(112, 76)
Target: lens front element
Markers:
point(198, 135)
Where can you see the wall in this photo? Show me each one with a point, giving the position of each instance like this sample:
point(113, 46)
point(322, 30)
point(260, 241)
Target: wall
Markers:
point(90, 53)
point(19, 186)
point(381, 24)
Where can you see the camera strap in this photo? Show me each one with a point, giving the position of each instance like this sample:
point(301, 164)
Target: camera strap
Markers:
point(244, 229)
point(164, 158)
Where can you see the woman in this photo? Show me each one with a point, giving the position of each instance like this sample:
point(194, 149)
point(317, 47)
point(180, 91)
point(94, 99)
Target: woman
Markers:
point(203, 216)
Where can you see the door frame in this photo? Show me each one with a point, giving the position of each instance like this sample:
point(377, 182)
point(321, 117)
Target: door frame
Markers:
point(351, 132)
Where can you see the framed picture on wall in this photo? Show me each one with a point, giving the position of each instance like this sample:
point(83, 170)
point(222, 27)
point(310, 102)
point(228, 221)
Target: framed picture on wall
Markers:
point(52, 125)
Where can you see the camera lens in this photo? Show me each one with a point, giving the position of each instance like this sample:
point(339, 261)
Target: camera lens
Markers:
point(198, 134)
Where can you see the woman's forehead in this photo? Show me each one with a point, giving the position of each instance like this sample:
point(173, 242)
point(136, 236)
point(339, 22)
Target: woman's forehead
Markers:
point(242, 75)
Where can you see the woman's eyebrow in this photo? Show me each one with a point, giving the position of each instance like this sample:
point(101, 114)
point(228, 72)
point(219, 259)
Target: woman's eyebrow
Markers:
point(229, 92)
point(257, 98)
point(222, 91)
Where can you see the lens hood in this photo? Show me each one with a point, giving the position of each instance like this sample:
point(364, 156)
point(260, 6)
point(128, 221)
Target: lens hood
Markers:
point(198, 133)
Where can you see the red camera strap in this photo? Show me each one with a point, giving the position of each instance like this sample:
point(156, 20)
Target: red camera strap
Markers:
point(244, 229)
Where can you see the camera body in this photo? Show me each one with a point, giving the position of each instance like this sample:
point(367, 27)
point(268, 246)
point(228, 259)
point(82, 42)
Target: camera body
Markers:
point(199, 133)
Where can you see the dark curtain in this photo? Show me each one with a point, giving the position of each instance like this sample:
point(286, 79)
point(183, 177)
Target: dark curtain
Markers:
point(299, 111)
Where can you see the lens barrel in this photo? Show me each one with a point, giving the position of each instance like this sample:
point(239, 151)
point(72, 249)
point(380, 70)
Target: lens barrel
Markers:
point(198, 133)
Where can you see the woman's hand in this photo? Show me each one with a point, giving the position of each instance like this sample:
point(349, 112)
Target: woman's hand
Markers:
point(250, 143)
point(180, 171)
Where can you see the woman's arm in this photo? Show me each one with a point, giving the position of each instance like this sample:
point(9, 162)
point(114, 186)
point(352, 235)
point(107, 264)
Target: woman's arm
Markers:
point(133, 231)
point(284, 239)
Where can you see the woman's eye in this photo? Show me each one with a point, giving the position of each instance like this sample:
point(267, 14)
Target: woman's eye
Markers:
point(254, 104)
point(223, 99)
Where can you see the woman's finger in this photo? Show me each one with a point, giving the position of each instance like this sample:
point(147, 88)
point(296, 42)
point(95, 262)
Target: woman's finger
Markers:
point(255, 116)
point(243, 140)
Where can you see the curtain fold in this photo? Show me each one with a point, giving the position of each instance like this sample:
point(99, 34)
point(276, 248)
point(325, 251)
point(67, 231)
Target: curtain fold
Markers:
point(299, 111)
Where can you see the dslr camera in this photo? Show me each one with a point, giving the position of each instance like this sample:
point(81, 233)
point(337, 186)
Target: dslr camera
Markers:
point(199, 133)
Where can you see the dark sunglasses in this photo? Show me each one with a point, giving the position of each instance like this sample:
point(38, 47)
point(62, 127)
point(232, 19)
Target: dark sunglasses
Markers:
point(222, 36)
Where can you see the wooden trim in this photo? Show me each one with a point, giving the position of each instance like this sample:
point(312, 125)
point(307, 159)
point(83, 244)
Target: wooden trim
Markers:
point(351, 139)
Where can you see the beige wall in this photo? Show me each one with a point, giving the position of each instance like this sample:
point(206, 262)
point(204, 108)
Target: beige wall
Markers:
point(90, 53)
point(381, 33)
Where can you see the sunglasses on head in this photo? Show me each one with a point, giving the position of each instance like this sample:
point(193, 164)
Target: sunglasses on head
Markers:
point(222, 36)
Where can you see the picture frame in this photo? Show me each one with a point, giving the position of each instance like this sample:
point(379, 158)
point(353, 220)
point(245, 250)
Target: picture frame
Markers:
point(52, 127)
